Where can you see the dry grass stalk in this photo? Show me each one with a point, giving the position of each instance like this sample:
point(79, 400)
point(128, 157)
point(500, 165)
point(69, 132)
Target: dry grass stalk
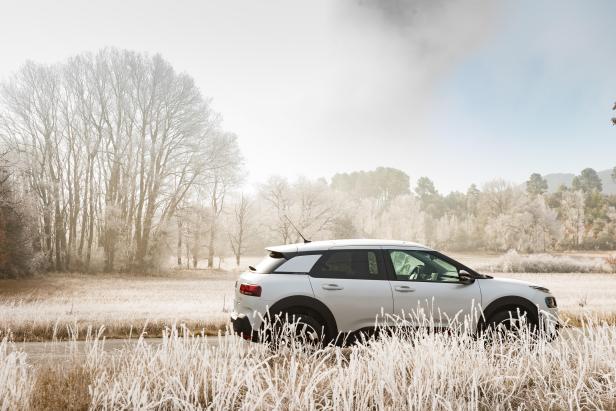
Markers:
point(403, 371)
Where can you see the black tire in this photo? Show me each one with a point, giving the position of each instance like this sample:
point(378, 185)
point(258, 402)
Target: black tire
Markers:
point(295, 328)
point(514, 322)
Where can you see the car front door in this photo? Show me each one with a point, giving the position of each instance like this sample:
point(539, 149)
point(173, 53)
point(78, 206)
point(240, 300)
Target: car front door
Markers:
point(353, 284)
point(427, 290)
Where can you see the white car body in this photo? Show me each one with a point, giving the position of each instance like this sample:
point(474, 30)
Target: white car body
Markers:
point(350, 304)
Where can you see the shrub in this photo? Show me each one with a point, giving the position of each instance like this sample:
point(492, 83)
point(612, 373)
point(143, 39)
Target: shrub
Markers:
point(15, 379)
point(610, 260)
point(512, 262)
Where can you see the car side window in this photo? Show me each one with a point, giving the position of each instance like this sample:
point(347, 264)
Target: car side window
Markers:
point(414, 265)
point(357, 264)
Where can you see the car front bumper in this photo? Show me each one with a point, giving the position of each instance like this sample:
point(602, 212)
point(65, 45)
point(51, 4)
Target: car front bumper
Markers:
point(550, 322)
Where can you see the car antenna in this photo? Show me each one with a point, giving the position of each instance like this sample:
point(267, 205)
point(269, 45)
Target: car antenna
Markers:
point(298, 232)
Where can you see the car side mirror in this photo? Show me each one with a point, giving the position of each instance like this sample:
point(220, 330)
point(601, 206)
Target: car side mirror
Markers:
point(465, 277)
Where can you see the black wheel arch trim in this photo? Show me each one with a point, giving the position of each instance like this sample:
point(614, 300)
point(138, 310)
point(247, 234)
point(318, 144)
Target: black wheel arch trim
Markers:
point(310, 303)
point(511, 301)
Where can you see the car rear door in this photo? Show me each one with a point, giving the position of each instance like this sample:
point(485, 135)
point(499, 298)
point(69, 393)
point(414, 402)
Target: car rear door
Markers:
point(352, 283)
point(427, 290)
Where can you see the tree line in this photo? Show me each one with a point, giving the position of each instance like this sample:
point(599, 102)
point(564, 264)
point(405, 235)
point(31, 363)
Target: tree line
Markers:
point(499, 216)
point(115, 161)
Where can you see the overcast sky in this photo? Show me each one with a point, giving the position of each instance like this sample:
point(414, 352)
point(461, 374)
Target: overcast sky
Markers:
point(460, 91)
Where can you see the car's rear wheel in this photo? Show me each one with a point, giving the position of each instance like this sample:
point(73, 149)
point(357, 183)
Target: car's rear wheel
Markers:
point(298, 329)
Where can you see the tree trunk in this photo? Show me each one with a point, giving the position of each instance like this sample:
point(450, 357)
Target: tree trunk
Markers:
point(179, 249)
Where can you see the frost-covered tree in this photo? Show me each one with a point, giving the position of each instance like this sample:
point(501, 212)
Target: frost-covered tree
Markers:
point(525, 224)
point(383, 184)
point(544, 230)
point(240, 227)
point(19, 247)
point(403, 220)
point(225, 176)
point(573, 218)
point(307, 204)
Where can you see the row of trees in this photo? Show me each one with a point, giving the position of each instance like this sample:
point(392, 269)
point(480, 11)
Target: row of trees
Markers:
point(498, 217)
point(110, 148)
point(114, 161)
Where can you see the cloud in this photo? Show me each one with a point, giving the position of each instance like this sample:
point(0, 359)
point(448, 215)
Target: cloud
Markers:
point(433, 35)
point(390, 56)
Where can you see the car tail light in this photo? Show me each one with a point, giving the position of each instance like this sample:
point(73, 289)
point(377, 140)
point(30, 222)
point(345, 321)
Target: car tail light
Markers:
point(250, 289)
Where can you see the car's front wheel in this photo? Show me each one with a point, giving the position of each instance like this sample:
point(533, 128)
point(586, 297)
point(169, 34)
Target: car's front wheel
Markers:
point(514, 322)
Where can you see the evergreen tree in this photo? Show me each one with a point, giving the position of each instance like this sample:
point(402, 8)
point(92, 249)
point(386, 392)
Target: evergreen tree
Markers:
point(536, 185)
point(587, 181)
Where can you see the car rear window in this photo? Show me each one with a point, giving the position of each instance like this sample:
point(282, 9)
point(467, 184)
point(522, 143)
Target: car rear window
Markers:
point(269, 263)
point(301, 264)
point(276, 263)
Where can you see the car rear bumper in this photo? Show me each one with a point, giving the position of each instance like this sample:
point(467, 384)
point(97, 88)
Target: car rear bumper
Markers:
point(241, 326)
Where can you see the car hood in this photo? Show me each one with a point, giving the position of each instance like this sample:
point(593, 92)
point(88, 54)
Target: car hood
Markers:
point(511, 281)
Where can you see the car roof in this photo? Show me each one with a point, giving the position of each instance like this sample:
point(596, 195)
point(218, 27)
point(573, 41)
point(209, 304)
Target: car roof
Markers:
point(329, 244)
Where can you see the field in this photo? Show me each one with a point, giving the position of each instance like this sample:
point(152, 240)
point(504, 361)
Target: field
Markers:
point(188, 371)
point(46, 307)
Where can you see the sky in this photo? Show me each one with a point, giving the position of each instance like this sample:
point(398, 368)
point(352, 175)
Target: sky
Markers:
point(460, 91)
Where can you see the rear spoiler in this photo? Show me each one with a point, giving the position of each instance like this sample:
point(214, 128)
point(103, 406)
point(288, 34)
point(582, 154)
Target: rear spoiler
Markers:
point(282, 251)
point(277, 254)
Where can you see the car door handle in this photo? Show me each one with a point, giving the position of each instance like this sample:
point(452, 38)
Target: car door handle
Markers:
point(404, 289)
point(331, 287)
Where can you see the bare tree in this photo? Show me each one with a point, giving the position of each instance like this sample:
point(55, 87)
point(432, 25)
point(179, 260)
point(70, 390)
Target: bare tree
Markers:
point(240, 228)
point(315, 212)
point(573, 217)
point(196, 230)
point(309, 204)
point(226, 175)
point(277, 194)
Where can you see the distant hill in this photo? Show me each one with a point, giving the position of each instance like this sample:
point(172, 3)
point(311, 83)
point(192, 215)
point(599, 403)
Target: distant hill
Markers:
point(555, 180)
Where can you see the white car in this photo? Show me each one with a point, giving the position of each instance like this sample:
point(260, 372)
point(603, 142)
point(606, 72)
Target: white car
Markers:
point(339, 287)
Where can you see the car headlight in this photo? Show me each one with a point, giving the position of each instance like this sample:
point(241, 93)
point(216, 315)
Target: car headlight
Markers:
point(539, 288)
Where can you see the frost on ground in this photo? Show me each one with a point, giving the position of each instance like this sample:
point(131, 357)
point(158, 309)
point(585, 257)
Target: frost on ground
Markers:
point(404, 371)
point(43, 307)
